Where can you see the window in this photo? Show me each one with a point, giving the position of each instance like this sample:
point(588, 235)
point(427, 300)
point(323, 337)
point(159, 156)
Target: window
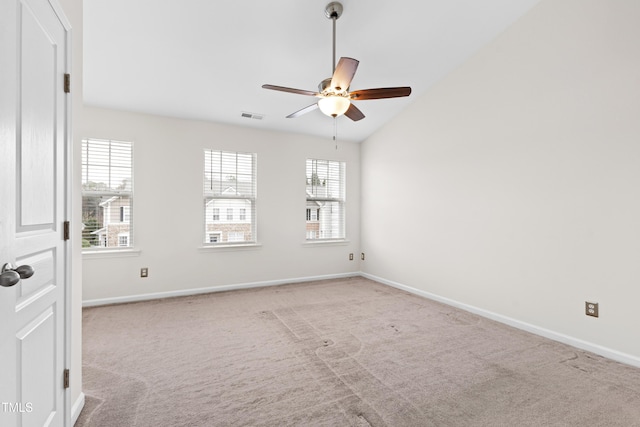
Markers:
point(313, 214)
point(236, 236)
point(229, 186)
point(107, 194)
point(325, 199)
point(123, 239)
point(125, 213)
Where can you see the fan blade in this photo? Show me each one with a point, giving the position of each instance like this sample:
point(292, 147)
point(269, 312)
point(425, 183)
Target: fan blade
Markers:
point(291, 90)
point(305, 110)
point(343, 74)
point(354, 113)
point(387, 92)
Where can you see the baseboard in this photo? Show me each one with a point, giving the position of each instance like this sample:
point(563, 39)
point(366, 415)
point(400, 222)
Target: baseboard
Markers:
point(556, 336)
point(77, 408)
point(223, 288)
point(572, 341)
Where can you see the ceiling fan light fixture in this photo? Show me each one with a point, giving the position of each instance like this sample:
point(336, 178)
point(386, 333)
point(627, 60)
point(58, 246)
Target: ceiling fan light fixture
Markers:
point(335, 98)
point(334, 105)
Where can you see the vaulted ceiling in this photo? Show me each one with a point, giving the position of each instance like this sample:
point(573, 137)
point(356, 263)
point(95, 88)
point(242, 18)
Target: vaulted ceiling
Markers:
point(207, 59)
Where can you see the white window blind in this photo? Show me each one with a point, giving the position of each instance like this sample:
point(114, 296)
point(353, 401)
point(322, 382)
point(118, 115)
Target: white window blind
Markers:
point(325, 211)
point(229, 197)
point(107, 194)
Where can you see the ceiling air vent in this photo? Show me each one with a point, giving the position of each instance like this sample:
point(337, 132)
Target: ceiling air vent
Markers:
point(252, 116)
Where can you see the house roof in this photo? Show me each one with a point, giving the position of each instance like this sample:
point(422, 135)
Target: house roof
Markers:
point(226, 188)
point(109, 201)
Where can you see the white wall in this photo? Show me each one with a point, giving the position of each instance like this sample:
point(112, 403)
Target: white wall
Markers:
point(168, 166)
point(513, 186)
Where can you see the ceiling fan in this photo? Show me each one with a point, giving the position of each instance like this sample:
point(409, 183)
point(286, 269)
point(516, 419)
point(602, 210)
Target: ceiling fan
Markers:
point(335, 98)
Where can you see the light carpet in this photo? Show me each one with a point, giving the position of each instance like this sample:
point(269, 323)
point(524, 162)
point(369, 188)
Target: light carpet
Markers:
point(347, 352)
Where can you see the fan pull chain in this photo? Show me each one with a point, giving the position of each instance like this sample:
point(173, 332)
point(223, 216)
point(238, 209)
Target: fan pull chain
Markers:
point(335, 131)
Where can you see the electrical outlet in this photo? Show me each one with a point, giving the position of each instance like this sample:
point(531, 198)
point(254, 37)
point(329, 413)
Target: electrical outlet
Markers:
point(351, 257)
point(362, 256)
point(144, 272)
point(591, 308)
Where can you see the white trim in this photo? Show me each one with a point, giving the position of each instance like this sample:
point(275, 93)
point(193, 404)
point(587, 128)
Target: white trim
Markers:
point(77, 408)
point(221, 288)
point(325, 242)
point(556, 336)
point(57, 8)
point(229, 246)
point(110, 253)
point(69, 245)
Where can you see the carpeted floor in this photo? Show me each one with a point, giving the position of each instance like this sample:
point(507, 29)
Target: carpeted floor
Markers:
point(347, 352)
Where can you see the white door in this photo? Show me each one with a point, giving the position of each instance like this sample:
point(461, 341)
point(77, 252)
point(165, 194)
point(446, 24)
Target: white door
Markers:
point(33, 207)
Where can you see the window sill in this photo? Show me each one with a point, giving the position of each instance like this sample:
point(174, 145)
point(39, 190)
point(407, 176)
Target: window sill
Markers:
point(239, 247)
point(326, 242)
point(110, 253)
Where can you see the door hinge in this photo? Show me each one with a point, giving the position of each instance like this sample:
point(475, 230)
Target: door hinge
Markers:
point(66, 230)
point(67, 83)
point(66, 378)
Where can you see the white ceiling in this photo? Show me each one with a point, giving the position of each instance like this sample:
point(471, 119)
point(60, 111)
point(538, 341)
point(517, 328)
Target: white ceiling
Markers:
point(207, 59)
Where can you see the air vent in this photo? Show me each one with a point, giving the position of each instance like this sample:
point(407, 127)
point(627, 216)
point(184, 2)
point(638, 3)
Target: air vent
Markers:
point(252, 116)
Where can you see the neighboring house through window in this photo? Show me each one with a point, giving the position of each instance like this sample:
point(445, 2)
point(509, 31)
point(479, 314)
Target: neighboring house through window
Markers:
point(313, 214)
point(325, 191)
point(125, 213)
point(123, 239)
point(230, 189)
point(236, 236)
point(107, 194)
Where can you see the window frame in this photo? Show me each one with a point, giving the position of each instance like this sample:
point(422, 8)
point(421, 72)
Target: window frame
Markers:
point(337, 194)
point(214, 192)
point(114, 167)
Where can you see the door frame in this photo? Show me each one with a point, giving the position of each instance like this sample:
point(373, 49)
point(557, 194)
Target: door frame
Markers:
point(68, 211)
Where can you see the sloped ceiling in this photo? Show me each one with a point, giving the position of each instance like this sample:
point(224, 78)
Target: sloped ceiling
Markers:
point(207, 59)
